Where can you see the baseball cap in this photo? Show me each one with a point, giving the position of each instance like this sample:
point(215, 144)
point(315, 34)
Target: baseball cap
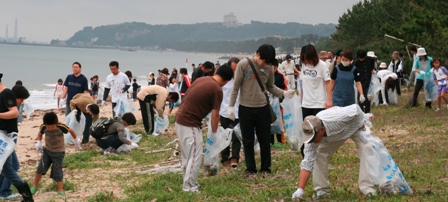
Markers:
point(288, 57)
point(310, 125)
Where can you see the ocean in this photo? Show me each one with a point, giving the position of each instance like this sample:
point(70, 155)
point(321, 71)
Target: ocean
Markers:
point(39, 67)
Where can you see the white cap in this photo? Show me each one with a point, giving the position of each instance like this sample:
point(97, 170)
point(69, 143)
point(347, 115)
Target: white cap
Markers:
point(383, 65)
point(371, 54)
point(421, 52)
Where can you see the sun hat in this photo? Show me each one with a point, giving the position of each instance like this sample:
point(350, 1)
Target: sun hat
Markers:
point(421, 52)
point(310, 125)
point(323, 54)
point(383, 65)
point(371, 54)
point(165, 71)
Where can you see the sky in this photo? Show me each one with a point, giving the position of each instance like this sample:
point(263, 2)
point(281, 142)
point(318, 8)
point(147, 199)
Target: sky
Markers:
point(44, 20)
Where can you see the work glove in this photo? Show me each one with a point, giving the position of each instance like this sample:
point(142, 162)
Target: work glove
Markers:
point(298, 194)
point(289, 93)
point(362, 98)
point(134, 145)
point(39, 146)
point(78, 142)
point(103, 103)
point(231, 113)
point(75, 111)
point(62, 102)
point(422, 73)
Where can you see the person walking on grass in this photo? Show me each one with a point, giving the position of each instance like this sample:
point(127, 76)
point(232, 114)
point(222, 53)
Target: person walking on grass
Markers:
point(151, 97)
point(116, 83)
point(254, 109)
point(53, 151)
point(204, 95)
point(440, 74)
point(423, 71)
point(8, 127)
point(74, 83)
point(323, 135)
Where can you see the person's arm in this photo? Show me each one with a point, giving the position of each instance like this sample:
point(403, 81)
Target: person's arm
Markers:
point(215, 120)
point(306, 166)
point(55, 89)
point(73, 103)
point(106, 93)
point(85, 85)
point(64, 92)
point(39, 136)
point(391, 66)
point(160, 103)
point(238, 79)
point(329, 87)
point(359, 87)
point(400, 66)
point(187, 80)
point(121, 135)
point(72, 132)
point(12, 113)
point(273, 89)
point(126, 87)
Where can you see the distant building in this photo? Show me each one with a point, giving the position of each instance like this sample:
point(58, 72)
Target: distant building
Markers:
point(231, 21)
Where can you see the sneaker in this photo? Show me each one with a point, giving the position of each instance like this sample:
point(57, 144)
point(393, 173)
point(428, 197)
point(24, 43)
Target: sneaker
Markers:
point(20, 123)
point(33, 190)
point(438, 109)
point(61, 193)
point(320, 194)
point(234, 163)
point(11, 197)
point(277, 145)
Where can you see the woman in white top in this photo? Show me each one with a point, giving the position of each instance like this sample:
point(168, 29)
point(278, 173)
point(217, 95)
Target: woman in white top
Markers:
point(387, 78)
point(58, 91)
point(173, 87)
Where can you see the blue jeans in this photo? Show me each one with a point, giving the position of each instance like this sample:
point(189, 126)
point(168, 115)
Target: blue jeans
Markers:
point(19, 119)
point(5, 187)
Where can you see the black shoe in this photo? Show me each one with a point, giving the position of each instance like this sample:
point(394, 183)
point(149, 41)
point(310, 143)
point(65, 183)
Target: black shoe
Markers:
point(25, 191)
point(85, 141)
point(428, 105)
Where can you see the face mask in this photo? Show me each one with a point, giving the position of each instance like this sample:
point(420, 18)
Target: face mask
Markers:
point(345, 63)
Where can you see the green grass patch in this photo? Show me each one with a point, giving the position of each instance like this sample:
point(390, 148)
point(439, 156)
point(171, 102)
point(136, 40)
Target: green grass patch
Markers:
point(66, 185)
point(103, 196)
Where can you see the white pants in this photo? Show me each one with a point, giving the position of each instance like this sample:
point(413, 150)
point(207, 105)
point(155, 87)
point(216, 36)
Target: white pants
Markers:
point(291, 82)
point(191, 143)
point(320, 172)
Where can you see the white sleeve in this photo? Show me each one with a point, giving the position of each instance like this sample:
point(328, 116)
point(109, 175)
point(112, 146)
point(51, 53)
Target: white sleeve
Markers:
point(310, 152)
point(391, 67)
point(325, 71)
point(400, 66)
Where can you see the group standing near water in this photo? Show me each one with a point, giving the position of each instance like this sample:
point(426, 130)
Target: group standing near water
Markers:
point(331, 89)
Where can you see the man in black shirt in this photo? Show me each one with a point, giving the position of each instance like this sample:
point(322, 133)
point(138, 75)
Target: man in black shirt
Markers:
point(205, 70)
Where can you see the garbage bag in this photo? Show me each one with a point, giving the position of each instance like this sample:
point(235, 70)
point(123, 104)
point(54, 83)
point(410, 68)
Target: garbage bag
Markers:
point(292, 116)
point(277, 127)
point(28, 109)
point(393, 99)
point(76, 126)
point(124, 105)
point(381, 167)
point(7, 145)
point(430, 89)
point(161, 124)
point(374, 88)
point(135, 138)
point(214, 144)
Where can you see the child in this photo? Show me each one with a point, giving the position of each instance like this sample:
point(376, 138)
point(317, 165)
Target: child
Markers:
point(173, 88)
point(151, 79)
point(54, 150)
point(58, 91)
point(440, 75)
point(95, 86)
point(135, 88)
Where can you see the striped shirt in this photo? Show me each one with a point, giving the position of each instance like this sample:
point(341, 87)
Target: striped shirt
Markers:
point(340, 124)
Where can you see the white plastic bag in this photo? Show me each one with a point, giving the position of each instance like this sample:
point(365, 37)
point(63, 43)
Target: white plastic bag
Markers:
point(28, 109)
point(76, 126)
point(393, 99)
point(374, 88)
point(292, 115)
point(277, 127)
point(214, 144)
point(124, 105)
point(161, 124)
point(7, 146)
point(381, 167)
point(135, 138)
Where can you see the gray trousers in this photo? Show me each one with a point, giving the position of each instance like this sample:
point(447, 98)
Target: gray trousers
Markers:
point(191, 143)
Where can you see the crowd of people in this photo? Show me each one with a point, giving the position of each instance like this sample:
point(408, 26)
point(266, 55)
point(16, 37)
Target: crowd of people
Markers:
point(332, 87)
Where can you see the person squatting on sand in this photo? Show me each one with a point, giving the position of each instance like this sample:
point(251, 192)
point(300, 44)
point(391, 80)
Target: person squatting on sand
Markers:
point(204, 95)
point(8, 126)
point(53, 151)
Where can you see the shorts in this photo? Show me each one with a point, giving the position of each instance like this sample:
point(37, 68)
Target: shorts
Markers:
point(53, 159)
point(58, 94)
point(94, 92)
point(441, 89)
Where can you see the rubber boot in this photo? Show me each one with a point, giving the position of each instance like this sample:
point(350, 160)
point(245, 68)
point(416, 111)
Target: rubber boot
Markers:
point(25, 191)
point(428, 105)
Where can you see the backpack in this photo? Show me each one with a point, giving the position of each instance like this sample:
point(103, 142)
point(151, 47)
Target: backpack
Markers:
point(99, 128)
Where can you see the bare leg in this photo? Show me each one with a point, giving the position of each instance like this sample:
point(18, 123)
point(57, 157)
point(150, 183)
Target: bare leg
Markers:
point(37, 178)
point(60, 188)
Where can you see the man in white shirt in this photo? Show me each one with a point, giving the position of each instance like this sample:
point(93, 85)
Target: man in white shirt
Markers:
point(116, 83)
point(288, 68)
point(323, 134)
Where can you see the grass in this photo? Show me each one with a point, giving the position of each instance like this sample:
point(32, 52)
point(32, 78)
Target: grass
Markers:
point(415, 137)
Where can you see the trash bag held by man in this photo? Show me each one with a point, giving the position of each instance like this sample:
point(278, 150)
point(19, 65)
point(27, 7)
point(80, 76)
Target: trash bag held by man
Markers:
point(214, 144)
point(124, 105)
point(277, 127)
point(75, 125)
point(292, 115)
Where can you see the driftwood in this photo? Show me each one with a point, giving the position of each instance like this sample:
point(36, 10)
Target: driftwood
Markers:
point(162, 169)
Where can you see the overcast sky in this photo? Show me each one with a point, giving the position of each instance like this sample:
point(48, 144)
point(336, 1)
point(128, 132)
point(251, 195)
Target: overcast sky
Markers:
point(44, 20)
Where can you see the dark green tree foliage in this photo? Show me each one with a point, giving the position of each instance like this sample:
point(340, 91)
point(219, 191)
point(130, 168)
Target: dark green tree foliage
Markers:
point(419, 21)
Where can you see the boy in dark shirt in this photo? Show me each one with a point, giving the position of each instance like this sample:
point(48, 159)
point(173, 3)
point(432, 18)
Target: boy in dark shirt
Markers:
point(54, 150)
point(135, 88)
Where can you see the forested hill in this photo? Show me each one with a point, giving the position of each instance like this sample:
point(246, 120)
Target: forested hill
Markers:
point(133, 34)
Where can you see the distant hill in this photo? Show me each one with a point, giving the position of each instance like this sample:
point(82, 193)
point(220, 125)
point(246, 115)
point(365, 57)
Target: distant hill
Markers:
point(137, 34)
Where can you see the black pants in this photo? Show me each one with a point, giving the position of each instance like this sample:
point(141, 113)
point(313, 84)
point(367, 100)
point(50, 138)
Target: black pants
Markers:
point(365, 106)
point(308, 112)
point(112, 141)
point(147, 116)
point(113, 111)
point(279, 138)
point(398, 86)
point(86, 133)
point(257, 119)
point(418, 86)
point(236, 144)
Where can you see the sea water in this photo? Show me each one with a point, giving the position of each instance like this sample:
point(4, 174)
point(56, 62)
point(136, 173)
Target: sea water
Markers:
point(39, 67)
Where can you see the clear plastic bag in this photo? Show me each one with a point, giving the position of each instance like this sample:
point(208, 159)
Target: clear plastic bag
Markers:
point(277, 127)
point(135, 138)
point(374, 88)
point(381, 167)
point(124, 105)
point(76, 126)
point(430, 89)
point(28, 109)
point(393, 99)
point(161, 124)
point(7, 145)
point(214, 144)
point(292, 115)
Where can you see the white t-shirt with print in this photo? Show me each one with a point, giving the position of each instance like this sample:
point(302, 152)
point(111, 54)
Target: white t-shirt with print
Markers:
point(115, 83)
point(313, 84)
